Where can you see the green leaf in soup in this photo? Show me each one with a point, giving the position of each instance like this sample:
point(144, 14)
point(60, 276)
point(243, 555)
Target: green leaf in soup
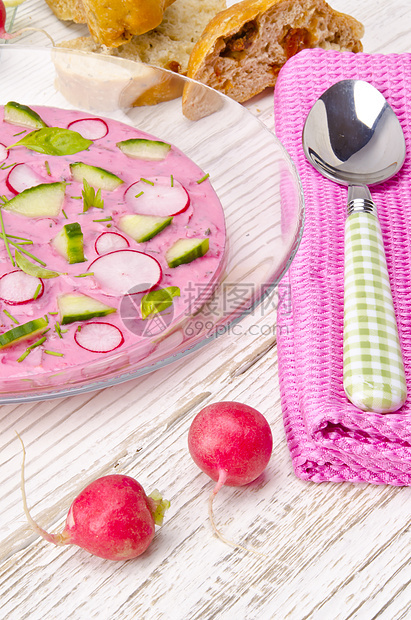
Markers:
point(157, 301)
point(33, 270)
point(54, 141)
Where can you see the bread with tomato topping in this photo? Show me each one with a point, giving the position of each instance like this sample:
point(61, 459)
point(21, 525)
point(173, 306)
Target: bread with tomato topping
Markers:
point(243, 48)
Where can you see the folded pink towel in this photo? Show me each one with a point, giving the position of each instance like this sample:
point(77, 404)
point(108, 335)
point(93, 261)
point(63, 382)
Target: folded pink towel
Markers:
point(329, 438)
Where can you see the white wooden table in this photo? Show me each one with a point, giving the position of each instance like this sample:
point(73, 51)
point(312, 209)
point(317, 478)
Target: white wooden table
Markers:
point(334, 551)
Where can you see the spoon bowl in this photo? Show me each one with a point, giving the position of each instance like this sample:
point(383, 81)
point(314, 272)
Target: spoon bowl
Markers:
point(353, 137)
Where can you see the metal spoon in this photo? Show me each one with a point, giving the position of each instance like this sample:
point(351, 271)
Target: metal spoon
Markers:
point(352, 136)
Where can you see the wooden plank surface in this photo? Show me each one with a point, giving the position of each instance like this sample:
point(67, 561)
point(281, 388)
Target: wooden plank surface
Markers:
point(332, 551)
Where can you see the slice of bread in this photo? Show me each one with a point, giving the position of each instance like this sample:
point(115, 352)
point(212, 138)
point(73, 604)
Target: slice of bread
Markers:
point(243, 48)
point(68, 10)
point(115, 22)
point(170, 44)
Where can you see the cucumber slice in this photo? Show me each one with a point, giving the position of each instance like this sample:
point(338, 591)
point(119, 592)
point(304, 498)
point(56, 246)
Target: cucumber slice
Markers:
point(18, 114)
point(95, 176)
point(186, 250)
point(143, 227)
point(31, 269)
point(69, 243)
point(22, 332)
point(44, 200)
point(74, 307)
point(140, 148)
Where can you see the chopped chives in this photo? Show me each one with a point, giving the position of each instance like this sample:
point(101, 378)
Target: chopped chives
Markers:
point(20, 132)
point(24, 355)
point(37, 292)
point(104, 219)
point(58, 329)
point(146, 181)
point(30, 348)
point(6, 241)
point(83, 275)
point(21, 238)
point(172, 180)
point(56, 353)
point(46, 163)
point(203, 178)
point(138, 195)
point(37, 343)
point(53, 313)
point(64, 213)
point(4, 167)
point(7, 313)
point(21, 249)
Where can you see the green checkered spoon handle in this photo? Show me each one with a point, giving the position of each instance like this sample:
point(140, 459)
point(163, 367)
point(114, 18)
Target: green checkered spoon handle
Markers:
point(352, 136)
point(374, 376)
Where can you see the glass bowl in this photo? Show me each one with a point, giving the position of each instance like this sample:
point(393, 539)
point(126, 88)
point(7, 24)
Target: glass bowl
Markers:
point(252, 174)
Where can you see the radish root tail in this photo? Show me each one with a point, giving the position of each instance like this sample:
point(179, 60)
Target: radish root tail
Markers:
point(55, 539)
point(216, 531)
point(12, 35)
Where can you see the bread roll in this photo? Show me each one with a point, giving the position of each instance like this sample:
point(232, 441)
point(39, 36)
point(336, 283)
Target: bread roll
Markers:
point(68, 10)
point(112, 22)
point(170, 44)
point(243, 48)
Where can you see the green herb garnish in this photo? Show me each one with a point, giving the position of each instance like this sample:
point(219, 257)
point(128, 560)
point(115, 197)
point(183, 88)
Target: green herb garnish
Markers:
point(104, 219)
point(54, 141)
point(58, 329)
point(91, 198)
point(37, 292)
point(11, 317)
point(157, 301)
point(204, 178)
point(5, 239)
point(21, 249)
point(30, 348)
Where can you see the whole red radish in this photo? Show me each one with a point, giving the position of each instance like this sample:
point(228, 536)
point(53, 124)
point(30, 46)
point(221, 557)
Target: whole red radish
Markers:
point(112, 518)
point(231, 443)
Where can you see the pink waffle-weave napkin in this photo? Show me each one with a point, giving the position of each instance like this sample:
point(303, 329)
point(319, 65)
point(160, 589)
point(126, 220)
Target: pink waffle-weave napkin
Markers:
point(330, 439)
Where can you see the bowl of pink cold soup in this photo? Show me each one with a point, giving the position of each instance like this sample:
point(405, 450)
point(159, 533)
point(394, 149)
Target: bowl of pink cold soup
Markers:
point(133, 229)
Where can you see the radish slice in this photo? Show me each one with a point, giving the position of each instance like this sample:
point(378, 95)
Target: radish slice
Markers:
point(4, 152)
point(21, 177)
point(90, 128)
point(99, 337)
point(160, 196)
point(17, 287)
point(110, 241)
point(126, 271)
